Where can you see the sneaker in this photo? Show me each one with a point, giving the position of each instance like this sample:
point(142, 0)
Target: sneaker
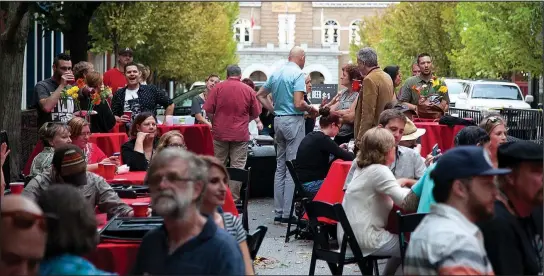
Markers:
point(277, 219)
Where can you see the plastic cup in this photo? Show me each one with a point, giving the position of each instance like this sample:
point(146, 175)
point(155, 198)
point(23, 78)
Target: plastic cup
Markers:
point(128, 114)
point(169, 120)
point(100, 170)
point(17, 187)
point(140, 209)
point(109, 171)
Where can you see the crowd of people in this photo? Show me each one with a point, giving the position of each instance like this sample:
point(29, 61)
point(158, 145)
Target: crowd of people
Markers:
point(482, 199)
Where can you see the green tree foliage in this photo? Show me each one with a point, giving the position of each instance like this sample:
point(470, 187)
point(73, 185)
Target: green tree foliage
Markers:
point(499, 38)
point(407, 29)
point(185, 41)
point(469, 39)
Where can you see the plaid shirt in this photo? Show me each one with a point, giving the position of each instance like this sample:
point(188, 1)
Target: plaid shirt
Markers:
point(446, 243)
point(97, 191)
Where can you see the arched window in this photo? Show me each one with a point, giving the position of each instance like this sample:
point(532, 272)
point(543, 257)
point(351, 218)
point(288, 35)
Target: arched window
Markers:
point(258, 76)
point(331, 32)
point(354, 36)
point(242, 31)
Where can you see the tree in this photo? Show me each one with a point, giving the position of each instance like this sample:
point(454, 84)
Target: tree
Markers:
point(14, 24)
point(499, 38)
point(72, 19)
point(190, 41)
point(122, 24)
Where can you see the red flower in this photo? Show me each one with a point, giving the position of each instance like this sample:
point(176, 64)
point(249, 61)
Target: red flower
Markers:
point(80, 83)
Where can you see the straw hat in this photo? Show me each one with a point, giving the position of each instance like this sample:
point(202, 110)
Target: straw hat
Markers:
point(411, 132)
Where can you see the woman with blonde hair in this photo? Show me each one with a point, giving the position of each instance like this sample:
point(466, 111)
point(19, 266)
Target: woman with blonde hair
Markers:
point(172, 138)
point(80, 134)
point(495, 126)
point(370, 197)
point(214, 197)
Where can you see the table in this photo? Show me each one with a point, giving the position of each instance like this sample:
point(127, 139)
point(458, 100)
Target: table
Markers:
point(197, 137)
point(109, 142)
point(442, 135)
point(118, 128)
point(331, 191)
point(137, 178)
point(119, 256)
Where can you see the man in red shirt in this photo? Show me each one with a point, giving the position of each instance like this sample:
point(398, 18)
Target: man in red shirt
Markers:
point(230, 106)
point(115, 77)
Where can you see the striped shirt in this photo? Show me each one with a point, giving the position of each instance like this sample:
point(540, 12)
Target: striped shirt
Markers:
point(233, 225)
point(446, 243)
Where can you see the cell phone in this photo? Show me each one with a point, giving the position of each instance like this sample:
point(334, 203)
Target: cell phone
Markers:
point(435, 150)
point(116, 153)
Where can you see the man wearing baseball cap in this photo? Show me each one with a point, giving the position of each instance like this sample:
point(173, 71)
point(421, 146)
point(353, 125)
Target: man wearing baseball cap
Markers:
point(69, 167)
point(513, 238)
point(115, 77)
point(447, 241)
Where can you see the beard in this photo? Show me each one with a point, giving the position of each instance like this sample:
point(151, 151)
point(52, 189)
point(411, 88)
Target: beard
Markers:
point(168, 204)
point(480, 210)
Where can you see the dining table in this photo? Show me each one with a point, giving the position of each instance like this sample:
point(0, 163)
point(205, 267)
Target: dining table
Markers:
point(435, 133)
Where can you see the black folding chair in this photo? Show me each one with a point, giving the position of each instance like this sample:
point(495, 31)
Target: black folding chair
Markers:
point(322, 249)
point(255, 239)
point(298, 195)
point(407, 224)
point(243, 176)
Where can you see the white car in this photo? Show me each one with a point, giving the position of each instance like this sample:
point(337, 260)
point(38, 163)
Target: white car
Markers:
point(197, 84)
point(455, 87)
point(487, 95)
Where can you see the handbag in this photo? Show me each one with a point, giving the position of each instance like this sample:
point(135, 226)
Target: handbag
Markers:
point(430, 107)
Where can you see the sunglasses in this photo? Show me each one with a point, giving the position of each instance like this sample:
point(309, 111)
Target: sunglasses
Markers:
point(25, 220)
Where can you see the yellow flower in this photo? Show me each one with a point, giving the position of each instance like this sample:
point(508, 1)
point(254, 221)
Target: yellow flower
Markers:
point(435, 82)
point(443, 89)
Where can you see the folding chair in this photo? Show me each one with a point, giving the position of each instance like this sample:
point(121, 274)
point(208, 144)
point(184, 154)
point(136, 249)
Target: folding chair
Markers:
point(255, 239)
point(322, 249)
point(407, 224)
point(298, 195)
point(243, 176)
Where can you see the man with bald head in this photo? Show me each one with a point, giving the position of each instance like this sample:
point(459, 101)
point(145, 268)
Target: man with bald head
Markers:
point(287, 86)
point(23, 239)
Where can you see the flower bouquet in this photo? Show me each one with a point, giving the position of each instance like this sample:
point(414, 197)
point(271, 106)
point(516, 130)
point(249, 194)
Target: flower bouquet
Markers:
point(430, 104)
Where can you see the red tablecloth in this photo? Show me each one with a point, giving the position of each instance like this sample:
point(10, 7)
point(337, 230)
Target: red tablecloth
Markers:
point(437, 134)
point(133, 178)
point(331, 191)
point(109, 142)
point(197, 137)
point(118, 128)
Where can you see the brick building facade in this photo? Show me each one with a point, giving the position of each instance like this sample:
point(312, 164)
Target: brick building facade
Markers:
point(266, 31)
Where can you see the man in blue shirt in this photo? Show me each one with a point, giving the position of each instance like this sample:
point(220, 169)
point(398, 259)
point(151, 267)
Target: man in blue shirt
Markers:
point(187, 243)
point(287, 87)
point(471, 135)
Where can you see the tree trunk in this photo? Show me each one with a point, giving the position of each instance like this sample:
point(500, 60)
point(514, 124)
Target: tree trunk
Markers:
point(12, 51)
point(77, 37)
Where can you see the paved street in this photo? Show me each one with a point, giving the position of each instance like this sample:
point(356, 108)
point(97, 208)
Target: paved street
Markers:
point(283, 258)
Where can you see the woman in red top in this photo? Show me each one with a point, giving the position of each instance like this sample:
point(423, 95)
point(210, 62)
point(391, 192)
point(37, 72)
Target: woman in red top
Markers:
point(80, 133)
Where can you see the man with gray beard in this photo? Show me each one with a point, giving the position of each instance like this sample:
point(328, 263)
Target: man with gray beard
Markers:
point(187, 243)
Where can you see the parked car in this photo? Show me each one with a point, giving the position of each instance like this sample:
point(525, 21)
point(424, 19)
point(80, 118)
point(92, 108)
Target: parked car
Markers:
point(455, 87)
point(197, 84)
point(486, 95)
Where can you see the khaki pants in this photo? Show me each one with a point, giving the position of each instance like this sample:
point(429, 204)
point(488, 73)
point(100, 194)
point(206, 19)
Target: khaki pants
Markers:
point(236, 152)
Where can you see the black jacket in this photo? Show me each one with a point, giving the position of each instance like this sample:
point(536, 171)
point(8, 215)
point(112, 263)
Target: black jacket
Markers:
point(135, 160)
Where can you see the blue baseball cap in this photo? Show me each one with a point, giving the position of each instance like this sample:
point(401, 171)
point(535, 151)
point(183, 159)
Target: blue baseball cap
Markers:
point(463, 162)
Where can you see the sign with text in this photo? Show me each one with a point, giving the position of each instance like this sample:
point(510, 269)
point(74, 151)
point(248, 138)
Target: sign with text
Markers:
point(322, 92)
point(289, 7)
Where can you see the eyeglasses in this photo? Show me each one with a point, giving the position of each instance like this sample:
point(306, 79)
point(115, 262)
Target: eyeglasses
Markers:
point(175, 146)
point(25, 220)
point(170, 177)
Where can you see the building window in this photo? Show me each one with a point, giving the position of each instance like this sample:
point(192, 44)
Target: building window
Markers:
point(331, 33)
point(258, 76)
point(354, 36)
point(242, 31)
point(286, 30)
